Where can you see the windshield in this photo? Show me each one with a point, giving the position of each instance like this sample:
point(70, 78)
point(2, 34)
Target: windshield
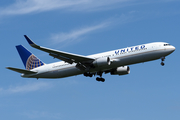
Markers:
point(167, 45)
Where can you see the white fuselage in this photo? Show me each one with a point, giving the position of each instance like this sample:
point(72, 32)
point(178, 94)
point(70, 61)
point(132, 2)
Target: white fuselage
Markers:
point(119, 57)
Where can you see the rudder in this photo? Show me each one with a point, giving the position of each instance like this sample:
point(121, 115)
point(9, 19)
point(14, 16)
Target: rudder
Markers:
point(30, 61)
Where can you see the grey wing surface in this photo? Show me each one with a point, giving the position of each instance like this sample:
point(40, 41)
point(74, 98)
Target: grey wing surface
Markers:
point(64, 56)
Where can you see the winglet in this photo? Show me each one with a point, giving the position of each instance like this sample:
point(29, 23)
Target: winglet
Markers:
point(29, 40)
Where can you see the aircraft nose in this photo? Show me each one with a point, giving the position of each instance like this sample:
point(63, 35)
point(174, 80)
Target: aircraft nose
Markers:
point(173, 48)
point(170, 49)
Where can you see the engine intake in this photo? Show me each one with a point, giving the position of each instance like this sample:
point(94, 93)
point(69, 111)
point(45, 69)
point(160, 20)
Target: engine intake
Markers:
point(121, 71)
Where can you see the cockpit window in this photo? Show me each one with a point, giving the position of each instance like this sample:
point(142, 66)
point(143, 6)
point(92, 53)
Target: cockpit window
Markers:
point(167, 45)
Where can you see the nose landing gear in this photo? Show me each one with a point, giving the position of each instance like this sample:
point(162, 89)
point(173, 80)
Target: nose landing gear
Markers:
point(162, 59)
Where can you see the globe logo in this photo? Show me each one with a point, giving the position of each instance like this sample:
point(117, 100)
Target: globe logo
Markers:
point(33, 62)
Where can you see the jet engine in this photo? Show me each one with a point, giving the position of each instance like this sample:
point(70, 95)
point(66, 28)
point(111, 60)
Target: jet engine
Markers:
point(121, 71)
point(102, 62)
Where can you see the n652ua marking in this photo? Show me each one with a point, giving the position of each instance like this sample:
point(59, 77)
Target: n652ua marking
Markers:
point(114, 62)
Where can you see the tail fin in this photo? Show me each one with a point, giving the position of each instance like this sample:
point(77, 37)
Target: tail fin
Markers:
point(30, 61)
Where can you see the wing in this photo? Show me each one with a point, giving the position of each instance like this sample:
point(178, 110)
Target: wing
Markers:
point(64, 56)
point(21, 70)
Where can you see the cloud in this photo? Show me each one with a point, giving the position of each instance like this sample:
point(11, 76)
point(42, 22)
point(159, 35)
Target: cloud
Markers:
point(30, 6)
point(30, 87)
point(77, 34)
point(34, 6)
point(21, 7)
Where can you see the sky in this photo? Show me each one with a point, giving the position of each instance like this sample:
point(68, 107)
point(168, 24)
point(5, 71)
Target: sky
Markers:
point(85, 27)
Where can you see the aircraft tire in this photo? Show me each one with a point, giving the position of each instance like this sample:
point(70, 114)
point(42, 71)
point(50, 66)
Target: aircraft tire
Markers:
point(162, 64)
point(100, 79)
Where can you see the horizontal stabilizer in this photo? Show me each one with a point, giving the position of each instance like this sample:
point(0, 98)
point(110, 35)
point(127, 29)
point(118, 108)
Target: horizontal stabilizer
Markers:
point(21, 70)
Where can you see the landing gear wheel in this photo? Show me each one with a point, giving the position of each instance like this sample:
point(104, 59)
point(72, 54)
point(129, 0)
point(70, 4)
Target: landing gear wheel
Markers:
point(100, 79)
point(162, 64)
point(88, 74)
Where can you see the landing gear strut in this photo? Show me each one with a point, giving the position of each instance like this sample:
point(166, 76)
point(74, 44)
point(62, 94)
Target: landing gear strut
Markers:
point(162, 59)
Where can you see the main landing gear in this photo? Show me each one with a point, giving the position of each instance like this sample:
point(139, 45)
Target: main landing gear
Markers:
point(99, 79)
point(87, 74)
point(162, 59)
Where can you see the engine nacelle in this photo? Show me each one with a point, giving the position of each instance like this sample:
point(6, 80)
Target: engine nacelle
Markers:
point(102, 62)
point(121, 71)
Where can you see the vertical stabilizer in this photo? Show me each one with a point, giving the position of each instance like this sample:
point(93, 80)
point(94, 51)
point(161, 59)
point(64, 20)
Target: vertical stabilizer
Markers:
point(30, 61)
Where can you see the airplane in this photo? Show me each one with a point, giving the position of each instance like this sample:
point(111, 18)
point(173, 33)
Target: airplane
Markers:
point(115, 62)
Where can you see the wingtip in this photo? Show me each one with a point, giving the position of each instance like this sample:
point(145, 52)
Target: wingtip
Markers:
point(7, 67)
